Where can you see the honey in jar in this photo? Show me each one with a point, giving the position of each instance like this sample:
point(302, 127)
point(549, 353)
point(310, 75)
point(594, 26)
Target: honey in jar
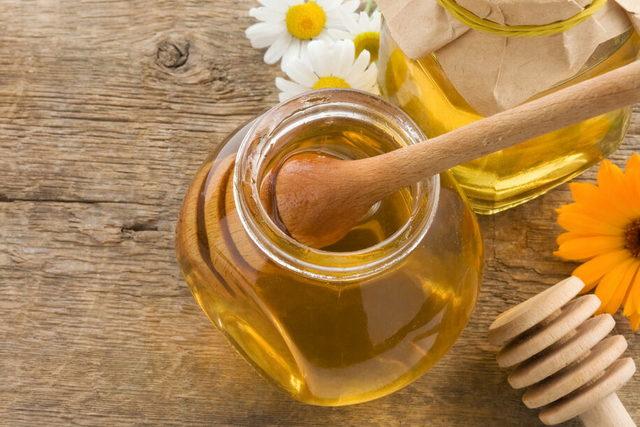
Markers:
point(346, 323)
point(423, 88)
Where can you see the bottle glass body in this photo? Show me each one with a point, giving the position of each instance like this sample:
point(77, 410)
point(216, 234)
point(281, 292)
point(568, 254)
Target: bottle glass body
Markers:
point(515, 175)
point(354, 321)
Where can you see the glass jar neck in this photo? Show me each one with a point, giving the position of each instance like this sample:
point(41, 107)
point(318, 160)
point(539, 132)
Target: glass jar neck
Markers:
point(274, 131)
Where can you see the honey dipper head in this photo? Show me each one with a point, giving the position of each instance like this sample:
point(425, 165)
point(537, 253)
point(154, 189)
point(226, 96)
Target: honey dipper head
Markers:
point(564, 357)
point(520, 318)
point(318, 200)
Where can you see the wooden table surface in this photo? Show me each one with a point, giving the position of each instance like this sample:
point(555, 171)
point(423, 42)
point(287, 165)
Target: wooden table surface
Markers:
point(107, 107)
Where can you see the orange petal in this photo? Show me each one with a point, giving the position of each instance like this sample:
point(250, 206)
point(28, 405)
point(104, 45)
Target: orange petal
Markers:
point(600, 209)
point(593, 270)
point(611, 198)
point(615, 185)
point(587, 247)
point(634, 320)
point(583, 192)
point(634, 161)
point(632, 303)
point(609, 285)
point(632, 176)
point(623, 288)
point(633, 165)
point(610, 177)
point(564, 237)
point(585, 224)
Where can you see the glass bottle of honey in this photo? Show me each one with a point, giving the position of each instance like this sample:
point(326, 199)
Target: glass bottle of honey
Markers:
point(350, 322)
point(468, 73)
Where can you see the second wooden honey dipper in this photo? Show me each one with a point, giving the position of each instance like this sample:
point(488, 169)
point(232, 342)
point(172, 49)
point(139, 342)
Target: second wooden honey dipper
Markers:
point(564, 356)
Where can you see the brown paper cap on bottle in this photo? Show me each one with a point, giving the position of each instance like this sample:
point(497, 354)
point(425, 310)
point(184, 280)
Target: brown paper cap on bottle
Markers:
point(493, 72)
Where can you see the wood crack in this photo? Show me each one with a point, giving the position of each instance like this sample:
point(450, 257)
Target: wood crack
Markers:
point(5, 199)
point(137, 227)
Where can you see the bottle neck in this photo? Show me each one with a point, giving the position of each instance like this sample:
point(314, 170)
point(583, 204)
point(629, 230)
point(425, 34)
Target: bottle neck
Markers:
point(271, 135)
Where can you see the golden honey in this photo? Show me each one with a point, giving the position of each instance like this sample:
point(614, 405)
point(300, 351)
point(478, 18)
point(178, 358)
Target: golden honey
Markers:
point(515, 175)
point(354, 321)
point(345, 141)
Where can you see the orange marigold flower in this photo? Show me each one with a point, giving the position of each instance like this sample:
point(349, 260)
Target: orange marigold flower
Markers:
point(603, 230)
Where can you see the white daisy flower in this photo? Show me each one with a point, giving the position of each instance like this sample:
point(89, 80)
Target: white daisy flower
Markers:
point(364, 30)
point(287, 26)
point(328, 65)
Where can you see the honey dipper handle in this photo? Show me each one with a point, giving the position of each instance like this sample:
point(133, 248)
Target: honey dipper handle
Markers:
point(609, 412)
point(608, 92)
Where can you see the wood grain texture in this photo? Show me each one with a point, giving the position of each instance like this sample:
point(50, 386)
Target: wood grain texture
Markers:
point(104, 118)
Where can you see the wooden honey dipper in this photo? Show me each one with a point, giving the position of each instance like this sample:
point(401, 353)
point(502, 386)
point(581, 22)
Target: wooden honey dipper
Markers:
point(319, 199)
point(564, 356)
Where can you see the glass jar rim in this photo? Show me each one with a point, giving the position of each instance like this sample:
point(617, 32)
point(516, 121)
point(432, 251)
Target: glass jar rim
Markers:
point(267, 135)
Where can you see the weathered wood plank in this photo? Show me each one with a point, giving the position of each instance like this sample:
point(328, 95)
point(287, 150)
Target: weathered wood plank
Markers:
point(100, 328)
point(89, 91)
point(101, 129)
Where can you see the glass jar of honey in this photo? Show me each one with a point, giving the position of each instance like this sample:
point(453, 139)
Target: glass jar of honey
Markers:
point(346, 323)
point(475, 72)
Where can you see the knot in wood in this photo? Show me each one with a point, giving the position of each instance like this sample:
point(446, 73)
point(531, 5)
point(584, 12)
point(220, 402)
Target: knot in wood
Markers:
point(172, 54)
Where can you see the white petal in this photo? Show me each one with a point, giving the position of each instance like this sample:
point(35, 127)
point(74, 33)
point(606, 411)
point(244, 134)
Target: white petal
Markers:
point(363, 22)
point(283, 96)
point(319, 54)
point(335, 19)
point(304, 51)
point(278, 5)
point(277, 49)
point(346, 52)
point(335, 34)
point(325, 37)
point(370, 76)
point(366, 80)
point(349, 21)
point(375, 89)
point(300, 71)
point(293, 52)
point(359, 65)
point(262, 34)
point(351, 5)
point(328, 5)
point(267, 15)
point(338, 20)
point(288, 86)
point(376, 21)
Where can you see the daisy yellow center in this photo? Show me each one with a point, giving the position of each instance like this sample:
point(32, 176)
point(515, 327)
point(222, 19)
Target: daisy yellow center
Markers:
point(305, 21)
point(369, 40)
point(331, 82)
point(632, 238)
